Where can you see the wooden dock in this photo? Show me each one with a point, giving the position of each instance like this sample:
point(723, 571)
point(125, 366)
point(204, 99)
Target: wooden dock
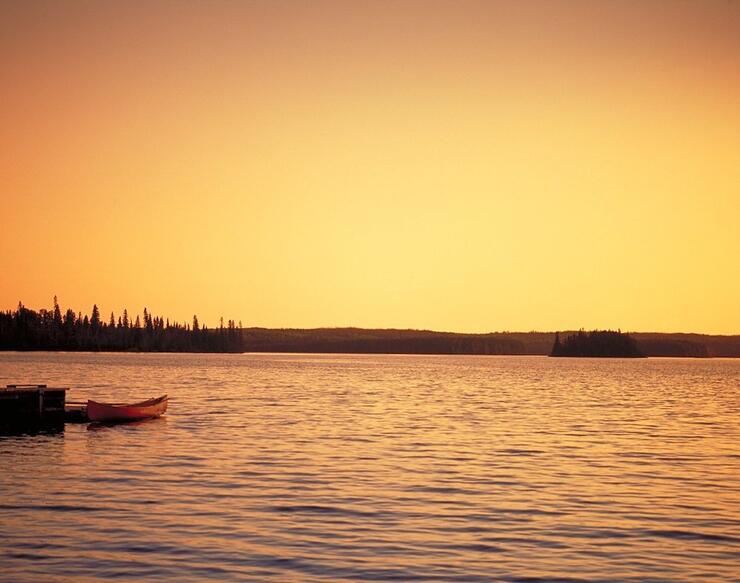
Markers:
point(32, 406)
point(75, 413)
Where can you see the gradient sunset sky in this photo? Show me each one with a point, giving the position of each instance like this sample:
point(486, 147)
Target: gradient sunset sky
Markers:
point(461, 165)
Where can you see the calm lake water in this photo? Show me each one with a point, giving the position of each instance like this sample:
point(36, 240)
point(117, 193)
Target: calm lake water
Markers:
point(328, 467)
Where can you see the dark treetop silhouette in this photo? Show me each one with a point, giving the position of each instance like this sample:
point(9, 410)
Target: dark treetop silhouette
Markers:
point(26, 329)
point(602, 343)
point(52, 329)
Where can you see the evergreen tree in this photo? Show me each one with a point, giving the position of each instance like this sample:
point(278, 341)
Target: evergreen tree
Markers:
point(598, 343)
point(95, 318)
point(26, 329)
point(57, 314)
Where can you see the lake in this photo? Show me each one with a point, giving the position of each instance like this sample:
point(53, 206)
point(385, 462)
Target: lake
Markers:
point(375, 467)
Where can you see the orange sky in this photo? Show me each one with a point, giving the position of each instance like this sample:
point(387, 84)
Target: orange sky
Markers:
point(456, 165)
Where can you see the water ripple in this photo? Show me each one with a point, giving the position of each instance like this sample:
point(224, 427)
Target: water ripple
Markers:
point(374, 468)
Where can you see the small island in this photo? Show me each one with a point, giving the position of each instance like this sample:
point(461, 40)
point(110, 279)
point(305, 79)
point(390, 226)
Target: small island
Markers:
point(597, 343)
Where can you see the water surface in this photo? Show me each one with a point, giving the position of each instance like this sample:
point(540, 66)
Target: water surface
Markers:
point(343, 467)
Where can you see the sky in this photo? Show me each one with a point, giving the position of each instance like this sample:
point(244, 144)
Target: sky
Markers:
point(456, 165)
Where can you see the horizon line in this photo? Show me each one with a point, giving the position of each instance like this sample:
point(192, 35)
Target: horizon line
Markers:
point(399, 329)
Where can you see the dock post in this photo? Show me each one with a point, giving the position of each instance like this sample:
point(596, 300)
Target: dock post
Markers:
point(30, 407)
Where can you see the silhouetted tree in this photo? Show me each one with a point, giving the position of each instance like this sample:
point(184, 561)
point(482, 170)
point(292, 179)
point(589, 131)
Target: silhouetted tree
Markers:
point(95, 318)
point(598, 343)
point(148, 321)
point(57, 314)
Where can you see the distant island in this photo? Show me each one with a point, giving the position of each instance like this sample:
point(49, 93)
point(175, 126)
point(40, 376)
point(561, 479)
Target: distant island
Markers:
point(597, 343)
point(66, 330)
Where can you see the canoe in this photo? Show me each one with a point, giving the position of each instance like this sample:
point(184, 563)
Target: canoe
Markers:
point(135, 411)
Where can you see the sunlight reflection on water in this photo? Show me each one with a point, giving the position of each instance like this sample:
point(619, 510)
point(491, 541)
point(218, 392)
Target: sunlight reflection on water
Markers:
point(377, 467)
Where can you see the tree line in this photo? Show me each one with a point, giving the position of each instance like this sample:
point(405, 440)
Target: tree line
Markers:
point(52, 329)
point(373, 341)
point(599, 343)
point(57, 329)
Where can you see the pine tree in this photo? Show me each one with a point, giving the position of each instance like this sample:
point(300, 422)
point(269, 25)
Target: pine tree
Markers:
point(57, 314)
point(95, 318)
point(147, 320)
